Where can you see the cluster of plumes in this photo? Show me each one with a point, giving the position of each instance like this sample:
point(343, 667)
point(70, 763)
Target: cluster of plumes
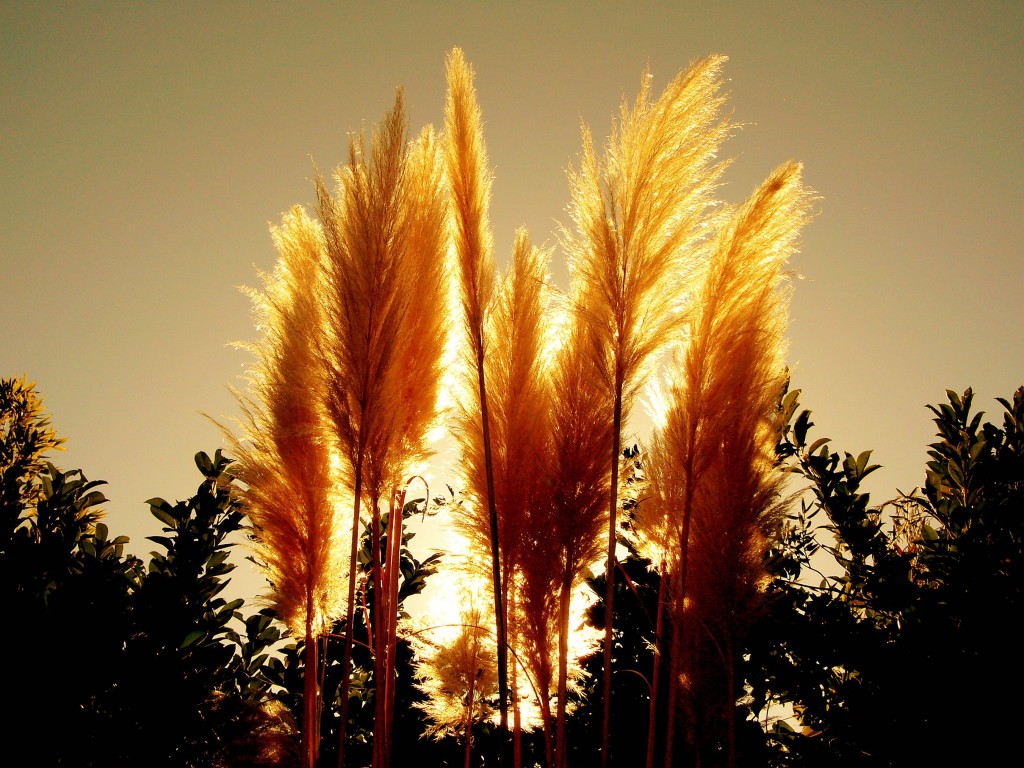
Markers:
point(345, 384)
point(518, 389)
point(347, 370)
point(457, 668)
point(455, 645)
point(656, 264)
point(348, 374)
point(507, 454)
point(715, 491)
point(545, 529)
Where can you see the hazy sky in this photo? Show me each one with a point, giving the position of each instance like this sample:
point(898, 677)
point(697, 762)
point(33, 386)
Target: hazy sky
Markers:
point(145, 148)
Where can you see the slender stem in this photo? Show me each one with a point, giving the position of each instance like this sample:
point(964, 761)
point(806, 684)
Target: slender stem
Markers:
point(310, 737)
point(561, 759)
point(321, 678)
point(499, 603)
point(517, 720)
point(395, 528)
point(673, 692)
point(549, 746)
point(471, 705)
point(380, 610)
point(609, 608)
point(469, 722)
point(679, 596)
point(730, 698)
point(510, 610)
point(346, 654)
point(652, 726)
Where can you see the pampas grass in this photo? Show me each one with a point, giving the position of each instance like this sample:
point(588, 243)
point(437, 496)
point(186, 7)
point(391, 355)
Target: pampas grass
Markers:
point(518, 392)
point(470, 180)
point(385, 334)
point(715, 490)
point(640, 217)
point(284, 456)
point(578, 483)
point(458, 674)
point(348, 374)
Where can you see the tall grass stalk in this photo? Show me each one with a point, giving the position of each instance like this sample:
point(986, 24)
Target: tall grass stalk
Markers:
point(715, 491)
point(639, 215)
point(284, 456)
point(577, 479)
point(520, 393)
point(470, 181)
point(386, 237)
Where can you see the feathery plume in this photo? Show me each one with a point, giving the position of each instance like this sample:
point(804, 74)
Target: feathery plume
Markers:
point(577, 484)
point(640, 217)
point(385, 234)
point(469, 181)
point(715, 489)
point(519, 395)
point(284, 456)
point(458, 674)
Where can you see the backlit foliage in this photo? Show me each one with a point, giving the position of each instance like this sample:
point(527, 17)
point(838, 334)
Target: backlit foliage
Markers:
point(458, 670)
point(26, 438)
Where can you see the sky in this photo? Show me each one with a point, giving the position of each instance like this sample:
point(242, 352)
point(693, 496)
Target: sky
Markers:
point(145, 149)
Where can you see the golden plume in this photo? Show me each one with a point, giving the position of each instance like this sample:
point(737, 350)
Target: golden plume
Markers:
point(715, 489)
point(425, 329)
point(578, 485)
point(519, 396)
point(367, 292)
point(284, 456)
point(458, 674)
point(469, 182)
point(640, 219)
point(386, 238)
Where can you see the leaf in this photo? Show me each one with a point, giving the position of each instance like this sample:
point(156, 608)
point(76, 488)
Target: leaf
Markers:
point(93, 499)
point(803, 423)
point(160, 509)
point(817, 444)
point(955, 473)
point(204, 464)
point(191, 638)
